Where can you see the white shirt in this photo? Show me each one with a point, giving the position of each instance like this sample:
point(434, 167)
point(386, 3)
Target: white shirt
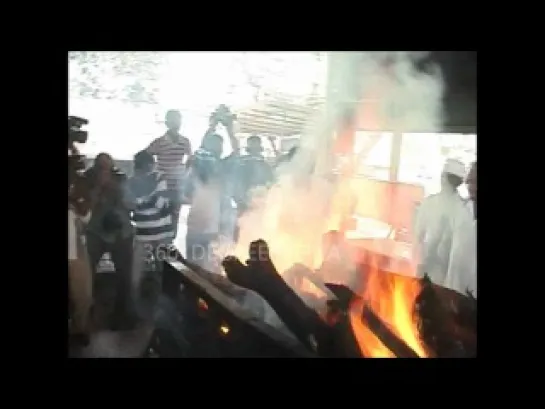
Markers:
point(462, 273)
point(470, 207)
point(446, 239)
point(204, 215)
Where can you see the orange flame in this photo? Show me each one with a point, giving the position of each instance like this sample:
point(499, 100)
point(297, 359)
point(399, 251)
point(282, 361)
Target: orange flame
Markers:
point(390, 296)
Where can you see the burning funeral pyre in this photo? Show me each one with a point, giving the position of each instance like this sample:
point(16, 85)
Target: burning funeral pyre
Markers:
point(335, 297)
point(382, 315)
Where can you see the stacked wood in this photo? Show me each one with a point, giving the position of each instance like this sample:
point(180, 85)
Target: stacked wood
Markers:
point(447, 319)
point(260, 274)
point(243, 328)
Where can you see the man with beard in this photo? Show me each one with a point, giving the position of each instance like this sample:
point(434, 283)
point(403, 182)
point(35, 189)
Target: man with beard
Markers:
point(441, 219)
point(462, 274)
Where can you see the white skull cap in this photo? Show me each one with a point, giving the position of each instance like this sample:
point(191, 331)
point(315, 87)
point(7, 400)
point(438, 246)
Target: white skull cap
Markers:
point(455, 167)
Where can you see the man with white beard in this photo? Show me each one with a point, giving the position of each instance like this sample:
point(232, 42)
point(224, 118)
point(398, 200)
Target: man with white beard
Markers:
point(463, 274)
point(443, 229)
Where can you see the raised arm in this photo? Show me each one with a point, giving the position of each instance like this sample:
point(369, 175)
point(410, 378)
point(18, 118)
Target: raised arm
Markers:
point(273, 145)
point(234, 141)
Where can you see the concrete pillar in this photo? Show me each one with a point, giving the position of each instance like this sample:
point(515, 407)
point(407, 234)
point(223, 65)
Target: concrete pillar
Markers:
point(395, 155)
point(342, 95)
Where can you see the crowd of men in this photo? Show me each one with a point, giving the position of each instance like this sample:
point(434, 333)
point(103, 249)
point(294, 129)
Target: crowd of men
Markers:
point(136, 219)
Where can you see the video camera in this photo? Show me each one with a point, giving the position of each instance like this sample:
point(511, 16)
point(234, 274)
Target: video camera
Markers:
point(78, 187)
point(75, 133)
point(222, 115)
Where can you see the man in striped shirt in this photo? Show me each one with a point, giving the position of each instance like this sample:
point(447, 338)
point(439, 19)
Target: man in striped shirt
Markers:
point(172, 150)
point(151, 216)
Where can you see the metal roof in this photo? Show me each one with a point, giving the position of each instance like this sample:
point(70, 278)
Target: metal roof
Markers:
point(278, 115)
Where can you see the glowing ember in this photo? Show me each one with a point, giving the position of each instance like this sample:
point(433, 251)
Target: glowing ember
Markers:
point(202, 304)
point(224, 329)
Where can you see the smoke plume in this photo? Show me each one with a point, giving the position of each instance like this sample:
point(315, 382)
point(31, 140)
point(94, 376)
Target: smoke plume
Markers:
point(398, 91)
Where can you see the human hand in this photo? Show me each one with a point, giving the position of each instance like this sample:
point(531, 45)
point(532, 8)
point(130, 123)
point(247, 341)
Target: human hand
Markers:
point(258, 274)
point(237, 272)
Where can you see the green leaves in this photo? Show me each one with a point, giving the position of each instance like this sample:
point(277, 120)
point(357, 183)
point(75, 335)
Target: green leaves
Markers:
point(129, 76)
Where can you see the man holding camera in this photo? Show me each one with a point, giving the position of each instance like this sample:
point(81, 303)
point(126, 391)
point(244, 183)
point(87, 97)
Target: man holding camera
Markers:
point(171, 150)
point(110, 231)
point(210, 188)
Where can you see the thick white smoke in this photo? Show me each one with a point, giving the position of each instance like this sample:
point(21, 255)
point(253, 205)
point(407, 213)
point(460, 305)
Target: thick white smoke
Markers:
point(398, 97)
point(409, 100)
point(293, 216)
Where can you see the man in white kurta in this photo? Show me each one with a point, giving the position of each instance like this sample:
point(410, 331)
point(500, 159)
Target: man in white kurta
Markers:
point(445, 232)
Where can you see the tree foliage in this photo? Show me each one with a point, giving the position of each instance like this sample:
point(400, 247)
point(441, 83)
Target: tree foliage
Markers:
point(128, 76)
point(134, 76)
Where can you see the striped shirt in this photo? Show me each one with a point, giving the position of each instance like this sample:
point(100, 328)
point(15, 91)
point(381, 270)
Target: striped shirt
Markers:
point(170, 156)
point(152, 215)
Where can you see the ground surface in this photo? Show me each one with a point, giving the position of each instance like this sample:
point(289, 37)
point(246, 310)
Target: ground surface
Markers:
point(121, 344)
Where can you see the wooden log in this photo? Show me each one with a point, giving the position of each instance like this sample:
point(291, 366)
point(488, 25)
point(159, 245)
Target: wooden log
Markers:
point(398, 347)
point(297, 273)
point(261, 276)
point(447, 321)
point(197, 282)
point(343, 343)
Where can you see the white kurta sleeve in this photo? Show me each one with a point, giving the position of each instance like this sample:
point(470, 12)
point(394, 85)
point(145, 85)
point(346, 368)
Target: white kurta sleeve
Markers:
point(462, 269)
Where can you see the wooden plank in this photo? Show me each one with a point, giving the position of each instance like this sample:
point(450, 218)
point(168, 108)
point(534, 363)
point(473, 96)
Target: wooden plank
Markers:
point(212, 294)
